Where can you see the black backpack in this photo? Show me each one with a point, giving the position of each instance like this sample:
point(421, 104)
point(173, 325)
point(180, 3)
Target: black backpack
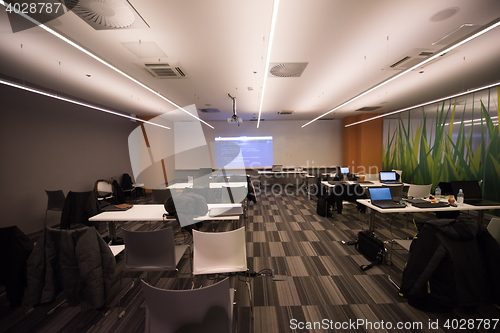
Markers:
point(127, 182)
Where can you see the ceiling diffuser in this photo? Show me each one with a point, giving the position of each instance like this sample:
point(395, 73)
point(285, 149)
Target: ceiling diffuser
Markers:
point(108, 14)
point(287, 69)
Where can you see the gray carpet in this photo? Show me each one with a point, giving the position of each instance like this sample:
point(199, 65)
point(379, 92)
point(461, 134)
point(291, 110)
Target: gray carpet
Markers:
point(307, 277)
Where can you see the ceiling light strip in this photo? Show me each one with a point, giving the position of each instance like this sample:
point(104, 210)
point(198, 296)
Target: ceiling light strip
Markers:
point(490, 26)
point(426, 103)
point(68, 41)
point(41, 92)
point(268, 58)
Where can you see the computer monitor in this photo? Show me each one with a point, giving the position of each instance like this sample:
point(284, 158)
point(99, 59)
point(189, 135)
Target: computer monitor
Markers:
point(344, 170)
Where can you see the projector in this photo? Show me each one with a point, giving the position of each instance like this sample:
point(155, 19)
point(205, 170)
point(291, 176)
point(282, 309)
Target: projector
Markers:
point(235, 119)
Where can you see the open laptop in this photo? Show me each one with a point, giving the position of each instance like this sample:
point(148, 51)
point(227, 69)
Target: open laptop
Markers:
point(344, 170)
point(225, 211)
point(472, 193)
point(382, 198)
point(277, 168)
point(388, 177)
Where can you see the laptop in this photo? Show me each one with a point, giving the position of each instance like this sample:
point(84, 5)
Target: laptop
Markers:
point(225, 211)
point(277, 168)
point(388, 177)
point(344, 170)
point(382, 198)
point(472, 193)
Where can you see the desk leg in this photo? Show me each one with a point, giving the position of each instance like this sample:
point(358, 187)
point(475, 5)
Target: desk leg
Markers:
point(371, 222)
point(480, 216)
point(112, 231)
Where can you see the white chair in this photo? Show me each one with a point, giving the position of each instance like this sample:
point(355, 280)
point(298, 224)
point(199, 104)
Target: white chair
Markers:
point(399, 172)
point(220, 252)
point(494, 228)
point(104, 189)
point(371, 177)
point(235, 194)
point(208, 309)
point(55, 202)
point(151, 251)
point(419, 191)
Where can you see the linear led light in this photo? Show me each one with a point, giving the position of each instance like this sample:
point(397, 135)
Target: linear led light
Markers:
point(489, 27)
point(268, 58)
point(426, 103)
point(61, 37)
point(40, 92)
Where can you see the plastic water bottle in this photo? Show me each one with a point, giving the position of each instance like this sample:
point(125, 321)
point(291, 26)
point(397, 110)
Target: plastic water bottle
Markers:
point(460, 198)
point(437, 193)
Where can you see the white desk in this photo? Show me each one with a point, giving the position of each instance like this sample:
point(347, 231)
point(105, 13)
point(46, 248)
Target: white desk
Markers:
point(412, 209)
point(285, 174)
point(211, 185)
point(373, 183)
point(145, 213)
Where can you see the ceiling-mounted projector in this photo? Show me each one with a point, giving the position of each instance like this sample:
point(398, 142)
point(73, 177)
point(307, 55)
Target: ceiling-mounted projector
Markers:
point(234, 118)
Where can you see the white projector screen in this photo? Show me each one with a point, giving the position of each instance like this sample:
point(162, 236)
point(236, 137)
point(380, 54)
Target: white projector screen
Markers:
point(247, 151)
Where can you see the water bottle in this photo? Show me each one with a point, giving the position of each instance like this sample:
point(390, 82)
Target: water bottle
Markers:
point(438, 192)
point(460, 198)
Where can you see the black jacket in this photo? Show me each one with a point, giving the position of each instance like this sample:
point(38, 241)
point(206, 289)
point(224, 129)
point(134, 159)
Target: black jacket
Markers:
point(452, 263)
point(78, 207)
point(76, 261)
point(15, 248)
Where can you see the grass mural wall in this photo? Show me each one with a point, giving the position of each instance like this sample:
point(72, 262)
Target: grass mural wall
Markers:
point(451, 140)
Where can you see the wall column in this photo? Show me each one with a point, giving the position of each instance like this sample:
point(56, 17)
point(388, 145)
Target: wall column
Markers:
point(362, 151)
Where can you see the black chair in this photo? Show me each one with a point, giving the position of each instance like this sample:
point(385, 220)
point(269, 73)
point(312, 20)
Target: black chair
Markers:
point(55, 202)
point(160, 196)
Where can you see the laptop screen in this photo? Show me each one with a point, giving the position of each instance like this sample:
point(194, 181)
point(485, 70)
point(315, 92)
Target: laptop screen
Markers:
point(387, 176)
point(470, 188)
point(277, 168)
point(380, 193)
point(344, 170)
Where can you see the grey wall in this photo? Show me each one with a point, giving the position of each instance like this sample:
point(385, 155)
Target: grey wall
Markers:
point(50, 144)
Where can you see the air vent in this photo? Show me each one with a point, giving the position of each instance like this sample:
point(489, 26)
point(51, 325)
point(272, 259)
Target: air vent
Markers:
point(255, 119)
point(426, 54)
point(286, 112)
point(368, 108)
point(212, 110)
point(164, 70)
point(397, 63)
point(107, 14)
point(412, 58)
point(288, 69)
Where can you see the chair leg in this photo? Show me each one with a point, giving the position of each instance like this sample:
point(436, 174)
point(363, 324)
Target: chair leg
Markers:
point(51, 311)
point(121, 311)
point(250, 298)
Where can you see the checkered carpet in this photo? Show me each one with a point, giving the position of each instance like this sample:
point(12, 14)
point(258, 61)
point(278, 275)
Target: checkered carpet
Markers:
point(307, 280)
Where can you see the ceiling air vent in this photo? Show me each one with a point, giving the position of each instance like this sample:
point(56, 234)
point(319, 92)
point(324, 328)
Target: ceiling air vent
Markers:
point(255, 119)
point(288, 69)
point(107, 14)
point(411, 58)
point(164, 70)
point(368, 108)
point(211, 110)
point(286, 112)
